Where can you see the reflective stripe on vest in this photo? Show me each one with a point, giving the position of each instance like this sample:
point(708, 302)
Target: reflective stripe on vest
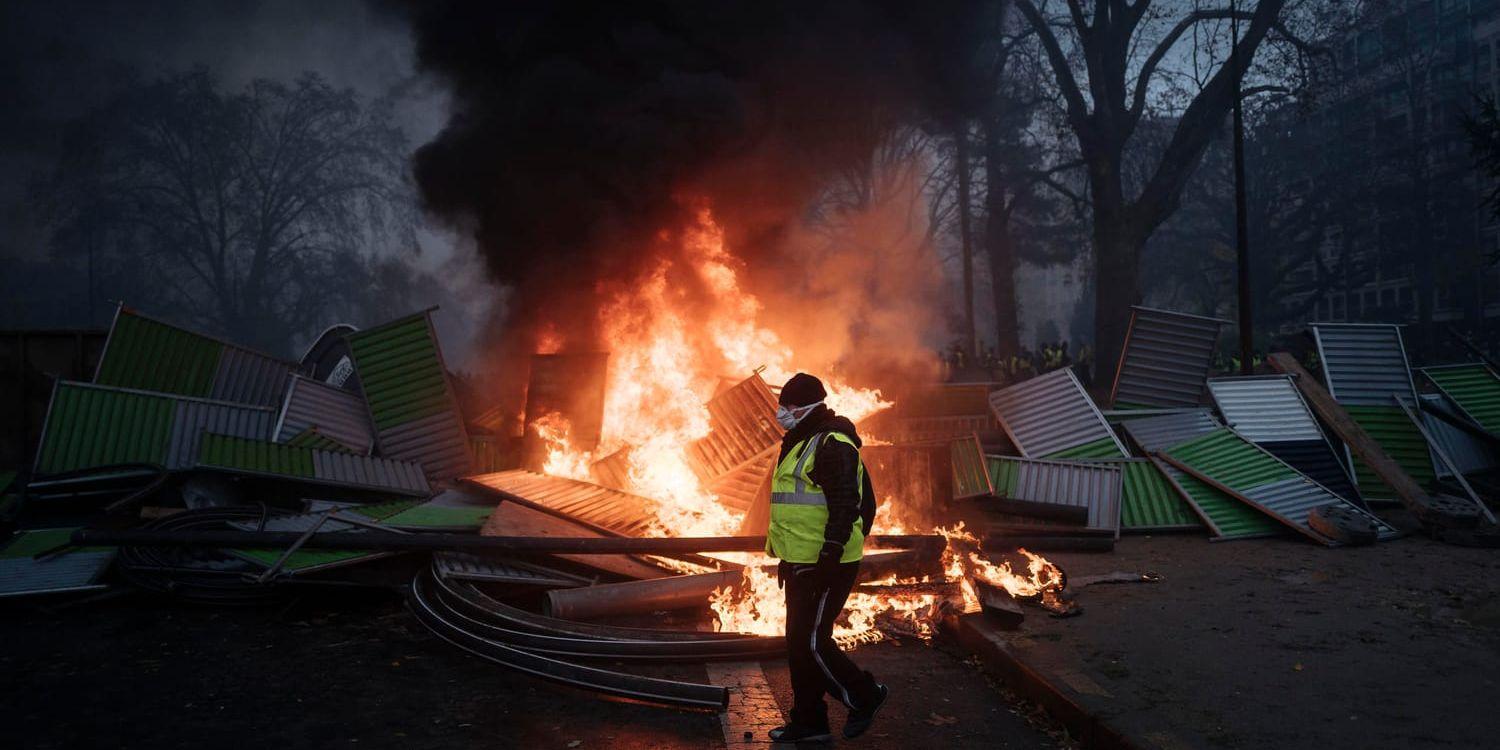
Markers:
point(800, 496)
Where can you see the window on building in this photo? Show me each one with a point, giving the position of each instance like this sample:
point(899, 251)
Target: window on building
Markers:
point(1387, 297)
point(1338, 307)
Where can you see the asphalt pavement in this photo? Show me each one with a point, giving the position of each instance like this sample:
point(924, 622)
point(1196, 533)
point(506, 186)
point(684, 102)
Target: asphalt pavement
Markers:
point(354, 670)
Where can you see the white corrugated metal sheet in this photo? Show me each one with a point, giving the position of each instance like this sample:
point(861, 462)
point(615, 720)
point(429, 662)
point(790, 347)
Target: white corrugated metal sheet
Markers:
point(248, 377)
point(1293, 498)
point(1096, 486)
point(1265, 408)
point(1050, 413)
point(298, 522)
point(1155, 434)
point(1470, 453)
point(337, 413)
point(468, 567)
point(193, 417)
point(1166, 359)
point(370, 472)
point(599, 508)
point(434, 442)
point(1364, 365)
point(74, 571)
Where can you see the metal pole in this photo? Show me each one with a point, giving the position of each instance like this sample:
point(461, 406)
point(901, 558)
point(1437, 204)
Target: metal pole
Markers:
point(971, 332)
point(388, 541)
point(1241, 219)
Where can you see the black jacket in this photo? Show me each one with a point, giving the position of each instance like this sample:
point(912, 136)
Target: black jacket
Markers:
point(836, 470)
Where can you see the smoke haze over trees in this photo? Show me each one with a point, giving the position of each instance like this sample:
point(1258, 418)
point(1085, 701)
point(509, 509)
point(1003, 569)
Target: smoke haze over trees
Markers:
point(241, 212)
point(555, 141)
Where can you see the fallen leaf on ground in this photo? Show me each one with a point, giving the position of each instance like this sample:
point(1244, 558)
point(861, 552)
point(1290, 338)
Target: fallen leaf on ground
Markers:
point(939, 720)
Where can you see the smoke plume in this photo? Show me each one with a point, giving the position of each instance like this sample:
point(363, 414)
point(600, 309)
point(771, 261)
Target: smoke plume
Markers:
point(584, 134)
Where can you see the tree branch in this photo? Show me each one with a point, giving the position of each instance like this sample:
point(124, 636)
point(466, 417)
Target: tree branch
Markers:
point(1148, 68)
point(1078, 110)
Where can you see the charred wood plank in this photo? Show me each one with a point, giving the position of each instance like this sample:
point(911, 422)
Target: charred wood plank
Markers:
point(689, 591)
point(998, 605)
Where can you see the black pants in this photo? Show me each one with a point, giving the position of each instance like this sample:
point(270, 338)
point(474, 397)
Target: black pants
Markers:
point(817, 664)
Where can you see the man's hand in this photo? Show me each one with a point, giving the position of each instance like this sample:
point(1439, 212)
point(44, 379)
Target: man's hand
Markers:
point(828, 562)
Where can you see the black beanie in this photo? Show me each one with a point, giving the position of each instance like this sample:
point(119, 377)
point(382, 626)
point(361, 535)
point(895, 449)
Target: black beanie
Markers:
point(801, 390)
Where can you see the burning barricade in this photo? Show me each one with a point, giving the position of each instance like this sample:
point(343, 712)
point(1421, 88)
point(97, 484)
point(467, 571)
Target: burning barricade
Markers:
point(621, 514)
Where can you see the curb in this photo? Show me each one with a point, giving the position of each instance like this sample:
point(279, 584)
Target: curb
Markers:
point(1001, 661)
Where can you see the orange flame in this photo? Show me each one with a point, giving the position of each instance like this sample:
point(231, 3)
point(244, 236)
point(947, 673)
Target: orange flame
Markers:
point(563, 460)
point(962, 559)
point(757, 605)
point(667, 353)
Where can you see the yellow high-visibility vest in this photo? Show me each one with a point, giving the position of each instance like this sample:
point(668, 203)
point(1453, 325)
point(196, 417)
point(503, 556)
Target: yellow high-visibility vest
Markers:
point(799, 509)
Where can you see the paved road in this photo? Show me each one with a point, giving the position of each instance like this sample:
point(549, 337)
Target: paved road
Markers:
point(358, 672)
point(1282, 643)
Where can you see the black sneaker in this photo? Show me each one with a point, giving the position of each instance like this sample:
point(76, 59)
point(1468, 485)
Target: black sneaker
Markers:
point(860, 719)
point(796, 731)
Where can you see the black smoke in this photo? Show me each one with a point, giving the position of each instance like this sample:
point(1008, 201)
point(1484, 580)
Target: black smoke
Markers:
point(580, 131)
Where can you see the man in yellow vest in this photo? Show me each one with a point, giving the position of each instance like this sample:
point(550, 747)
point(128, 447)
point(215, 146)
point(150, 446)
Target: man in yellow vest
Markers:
point(822, 506)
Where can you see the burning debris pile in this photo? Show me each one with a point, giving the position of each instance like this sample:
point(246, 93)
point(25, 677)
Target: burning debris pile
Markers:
point(621, 514)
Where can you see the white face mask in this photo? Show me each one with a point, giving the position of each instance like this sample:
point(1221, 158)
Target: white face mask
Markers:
point(788, 418)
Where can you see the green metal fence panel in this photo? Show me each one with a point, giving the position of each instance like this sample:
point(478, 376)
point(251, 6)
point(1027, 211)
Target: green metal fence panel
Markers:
point(1229, 518)
point(399, 371)
point(1231, 460)
point(1476, 390)
point(439, 516)
point(149, 355)
point(970, 475)
point(1151, 503)
point(1004, 475)
point(89, 427)
point(1400, 439)
point(416, 417)
point(256, 456)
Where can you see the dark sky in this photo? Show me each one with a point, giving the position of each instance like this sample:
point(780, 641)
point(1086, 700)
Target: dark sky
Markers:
point(59, 58)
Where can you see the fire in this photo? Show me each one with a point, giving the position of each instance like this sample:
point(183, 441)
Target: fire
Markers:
point(668, 349)
point(962, 559)
point(563, 460)
point(548, 340)
point(667, 352)
point(757, 606)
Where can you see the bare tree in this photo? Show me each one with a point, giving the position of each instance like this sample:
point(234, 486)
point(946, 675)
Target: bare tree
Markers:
point(1108, 62)
point(246, 213)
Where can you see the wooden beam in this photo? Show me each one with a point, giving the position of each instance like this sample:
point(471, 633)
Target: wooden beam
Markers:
point(1442, 455)
point(1360, 443)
